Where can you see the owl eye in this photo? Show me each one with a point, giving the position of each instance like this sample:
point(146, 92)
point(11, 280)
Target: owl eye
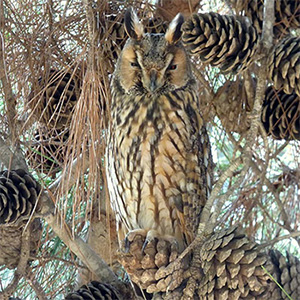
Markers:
point(135, 65)
point(173, 67)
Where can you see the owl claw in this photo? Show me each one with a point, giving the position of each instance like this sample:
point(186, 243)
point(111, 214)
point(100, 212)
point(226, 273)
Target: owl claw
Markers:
point(145, 245)
point(148, 237)
point(131, 236)
point(126, 245)
point(174, 245)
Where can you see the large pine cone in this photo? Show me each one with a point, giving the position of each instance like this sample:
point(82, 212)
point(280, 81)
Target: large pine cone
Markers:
point(226, 266)
point(18, 195)
point(284, 65)
point(287, 14)
point(95, 291)
point(168, 9)
point(10, 242)
point(231, 266)
point(288, 273)
point(146, 266)
point(47, 151)
point(233, 104)
point(53, 99)
point(281, 114)
point(223, 41)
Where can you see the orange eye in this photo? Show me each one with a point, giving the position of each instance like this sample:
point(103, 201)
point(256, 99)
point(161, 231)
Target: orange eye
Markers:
point(173, 67)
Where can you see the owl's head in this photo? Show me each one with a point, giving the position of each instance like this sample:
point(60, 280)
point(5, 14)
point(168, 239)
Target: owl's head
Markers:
point(152, 63)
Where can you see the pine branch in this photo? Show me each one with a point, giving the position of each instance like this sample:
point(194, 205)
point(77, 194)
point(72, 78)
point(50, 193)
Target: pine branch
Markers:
point(22, 265)
point(11, 159)
point(39, 291)
point(10, 98)
point(265, 46)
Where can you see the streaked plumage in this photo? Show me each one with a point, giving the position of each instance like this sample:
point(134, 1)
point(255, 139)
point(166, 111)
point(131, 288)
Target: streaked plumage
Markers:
point(158, 164)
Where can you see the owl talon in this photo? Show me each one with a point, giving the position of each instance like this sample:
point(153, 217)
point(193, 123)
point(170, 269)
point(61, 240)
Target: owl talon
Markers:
point(145, 245)
point(126, 245)
point(174, 245)
point(132, 236)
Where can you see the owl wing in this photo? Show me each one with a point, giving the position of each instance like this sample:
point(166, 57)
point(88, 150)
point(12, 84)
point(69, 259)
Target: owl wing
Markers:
point(199, 169)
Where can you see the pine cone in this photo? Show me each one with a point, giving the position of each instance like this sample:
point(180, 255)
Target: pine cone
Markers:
point(223, 41)
point(168, 9)
point(10, 242)
point(288, 273)
point(54, 99)
point(19, 193)
point(287, 178)
point(287, 14)
point(94, 291)
point(284, 65)
point(231, 266)
point(281, 114)
point(145, 267)
point(232, 105)
point(48, 150)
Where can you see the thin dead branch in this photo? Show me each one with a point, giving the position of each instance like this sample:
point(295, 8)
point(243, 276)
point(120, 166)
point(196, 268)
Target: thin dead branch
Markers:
point(22, 265)
point(39, 291)
point(10, 98)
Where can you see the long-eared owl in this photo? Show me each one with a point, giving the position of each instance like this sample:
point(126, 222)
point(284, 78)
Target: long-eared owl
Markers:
point(158, 159)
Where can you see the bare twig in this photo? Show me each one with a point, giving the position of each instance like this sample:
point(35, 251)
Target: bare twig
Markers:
point(39, 291)
point(44, 259)
point(10, 99)
point(11, 159)
point(12, 287)
point(22, 265)
point(223, 198)
point(278, 239)
point(265, 46)
point(69, 175)
point(267, 182)
point(81, 249)
point(91, 29)
point(229, 6)
point(281, 148)
point(206, 213)
point(202, 80)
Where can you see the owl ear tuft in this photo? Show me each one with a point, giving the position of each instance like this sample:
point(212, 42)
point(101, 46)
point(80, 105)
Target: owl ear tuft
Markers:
point(174, 32)
point(133, 26)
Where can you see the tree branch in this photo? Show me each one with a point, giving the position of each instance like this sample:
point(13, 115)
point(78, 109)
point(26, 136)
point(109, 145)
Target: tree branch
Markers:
point(22, 265)
point(10, 98)
point(39, 291)
point(81, 249)
point(265, 46)
point(11, 159)
point(278, 239)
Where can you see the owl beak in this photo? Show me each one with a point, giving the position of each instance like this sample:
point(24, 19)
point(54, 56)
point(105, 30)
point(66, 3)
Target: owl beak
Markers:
point(153, 80)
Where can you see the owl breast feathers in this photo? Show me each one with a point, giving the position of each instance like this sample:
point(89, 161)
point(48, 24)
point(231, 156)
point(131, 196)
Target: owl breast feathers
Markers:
point(158, 160)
